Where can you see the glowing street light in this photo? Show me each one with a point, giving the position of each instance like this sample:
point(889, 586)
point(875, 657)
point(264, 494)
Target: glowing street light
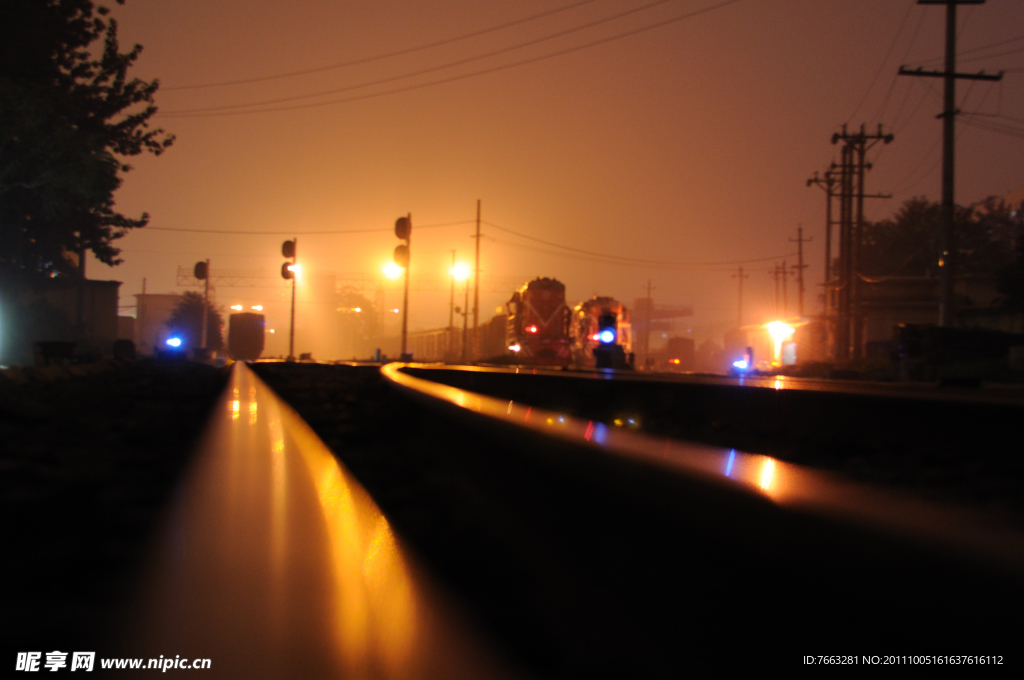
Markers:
point(237, 308)
point(458, 272)
point(780, 332)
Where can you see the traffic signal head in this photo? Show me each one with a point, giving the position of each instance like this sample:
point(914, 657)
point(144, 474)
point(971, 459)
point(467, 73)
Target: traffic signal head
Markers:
point(402, 256)
point(288, 249)
point(201, 271)
point(286, 271)
point(403, 227)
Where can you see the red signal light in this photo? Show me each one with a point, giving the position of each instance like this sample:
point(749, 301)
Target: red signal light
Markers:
point(531, 329)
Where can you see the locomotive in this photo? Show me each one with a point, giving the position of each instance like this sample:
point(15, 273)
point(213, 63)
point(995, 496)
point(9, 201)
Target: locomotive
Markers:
point(601, 334)
point(537, 328)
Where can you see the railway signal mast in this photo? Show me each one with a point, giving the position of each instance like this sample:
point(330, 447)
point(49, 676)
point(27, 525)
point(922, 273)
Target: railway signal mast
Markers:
point(202, 272)
point(289, 249)
point(403, 230)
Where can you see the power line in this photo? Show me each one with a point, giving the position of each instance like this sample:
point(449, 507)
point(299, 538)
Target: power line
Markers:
point(430, 69)
point(630, 260)
point(379, 57)
point(229, 111)
point(885, 60)
point(299, 233)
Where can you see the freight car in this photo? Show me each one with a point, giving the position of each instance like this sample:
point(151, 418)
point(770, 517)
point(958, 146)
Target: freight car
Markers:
point(537, 329)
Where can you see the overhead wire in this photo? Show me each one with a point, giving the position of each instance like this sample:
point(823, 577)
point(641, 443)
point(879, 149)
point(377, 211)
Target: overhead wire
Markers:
point(885, 60)
point(627, 260)
point(380, 57)
point(300, 233)
point(234, 109)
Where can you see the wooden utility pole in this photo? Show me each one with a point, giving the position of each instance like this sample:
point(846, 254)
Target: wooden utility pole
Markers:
point(451, 309)
point(476, 288)
point(947, 241)
point(739, 313)
point(849, 316)
point(800, 267)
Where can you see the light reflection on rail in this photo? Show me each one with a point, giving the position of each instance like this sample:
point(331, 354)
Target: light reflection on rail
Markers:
point(277, 563)
point(785, 484)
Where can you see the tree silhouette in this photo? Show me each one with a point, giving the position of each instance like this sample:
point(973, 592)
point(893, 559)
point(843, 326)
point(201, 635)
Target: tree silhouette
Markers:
point(907, 244)
point(69, 118)
point(186, 322)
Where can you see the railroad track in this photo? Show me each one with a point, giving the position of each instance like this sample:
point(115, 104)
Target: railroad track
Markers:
point(588, 549)
point(396, 524)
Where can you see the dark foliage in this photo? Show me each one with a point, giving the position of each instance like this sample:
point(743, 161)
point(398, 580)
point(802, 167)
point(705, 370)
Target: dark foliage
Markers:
point(187, 321)
point(908, 243)
point(69, 117)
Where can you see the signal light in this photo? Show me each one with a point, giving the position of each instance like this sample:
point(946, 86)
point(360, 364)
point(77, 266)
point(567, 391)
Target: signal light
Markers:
point(174, 342)
point(607, 325)
point(286, 271)
point(531, 329)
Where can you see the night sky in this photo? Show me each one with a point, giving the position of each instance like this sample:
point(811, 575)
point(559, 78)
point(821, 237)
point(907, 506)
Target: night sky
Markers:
point(682, 151)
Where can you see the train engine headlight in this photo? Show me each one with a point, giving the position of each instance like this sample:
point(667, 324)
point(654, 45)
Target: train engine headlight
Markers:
point(607, 325)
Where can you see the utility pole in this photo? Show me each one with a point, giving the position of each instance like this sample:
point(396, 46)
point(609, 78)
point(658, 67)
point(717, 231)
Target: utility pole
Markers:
point(476, 288)
point(785, 289)
point(947, 241)
point(774, 273)
point(649, 313)
point(850, 317)
point(800, 266)
point(451, 308)
point(739, 314)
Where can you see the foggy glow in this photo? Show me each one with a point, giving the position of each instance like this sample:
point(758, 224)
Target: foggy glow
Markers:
point(741, 364)
point(237, 308)
point(258, 308)
point(392, 270)
point(174, 342)
point(780, 332)
point(460, 272)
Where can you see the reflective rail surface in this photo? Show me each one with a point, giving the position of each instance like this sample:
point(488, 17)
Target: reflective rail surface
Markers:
point(839, 506)
point(276, 563)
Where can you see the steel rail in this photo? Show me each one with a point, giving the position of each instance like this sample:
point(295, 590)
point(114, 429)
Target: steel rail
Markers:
point(275, 562)
point(840, 506)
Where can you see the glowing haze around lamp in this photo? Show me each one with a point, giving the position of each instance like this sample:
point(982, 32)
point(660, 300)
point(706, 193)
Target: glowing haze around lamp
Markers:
point(780, 332)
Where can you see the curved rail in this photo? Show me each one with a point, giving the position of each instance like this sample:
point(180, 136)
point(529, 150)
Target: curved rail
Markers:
point(277, 563)
point(805, 494)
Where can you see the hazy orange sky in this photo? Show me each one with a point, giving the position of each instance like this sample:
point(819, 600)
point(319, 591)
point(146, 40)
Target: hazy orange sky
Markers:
point(688, 143)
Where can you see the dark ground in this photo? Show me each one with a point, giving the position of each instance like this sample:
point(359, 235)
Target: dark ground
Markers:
point(87, 464)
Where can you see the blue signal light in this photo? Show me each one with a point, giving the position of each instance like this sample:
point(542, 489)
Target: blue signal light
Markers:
point(174, 342)
point(606, 336)
point(741, 364)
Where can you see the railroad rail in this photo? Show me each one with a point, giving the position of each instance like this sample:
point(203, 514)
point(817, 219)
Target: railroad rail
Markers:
point(277, 563)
